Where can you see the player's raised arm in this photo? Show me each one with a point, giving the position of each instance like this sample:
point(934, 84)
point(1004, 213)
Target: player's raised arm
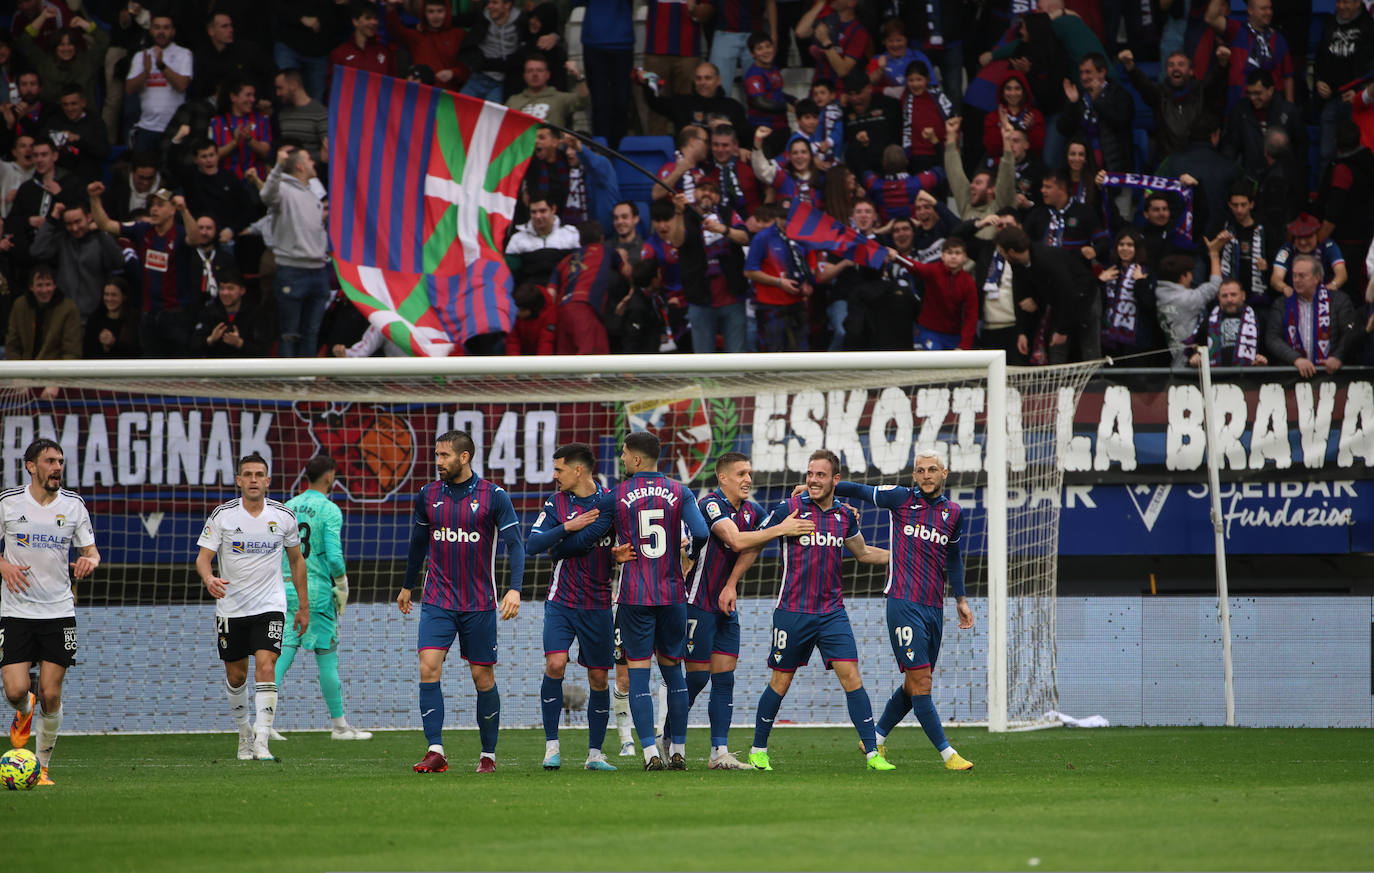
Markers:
point(415, 557)
point(508, 528)
point(885, 496)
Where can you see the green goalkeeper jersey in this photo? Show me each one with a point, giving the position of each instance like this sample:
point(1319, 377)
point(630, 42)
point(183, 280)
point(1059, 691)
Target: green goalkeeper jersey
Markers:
point(320, 522)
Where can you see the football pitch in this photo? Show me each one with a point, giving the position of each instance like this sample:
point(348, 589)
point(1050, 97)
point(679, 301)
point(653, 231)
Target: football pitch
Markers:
point(1112, 799)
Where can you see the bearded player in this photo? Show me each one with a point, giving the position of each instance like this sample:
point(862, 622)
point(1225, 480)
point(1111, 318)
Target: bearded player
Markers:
point(926, 531)
point(457, 521)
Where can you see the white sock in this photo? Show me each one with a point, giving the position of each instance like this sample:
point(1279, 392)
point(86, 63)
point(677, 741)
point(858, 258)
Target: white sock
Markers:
point(661, 708)
point(238, 704)
point(882, 737)
point(595, 754)
point(339, 723)
point(717, 751)
point(48, 725)
point(872, 754)
point(551, 747)
point(677, 749)
point(948, 752)
point(491, 755)
point(265, 699)
point(758, 750)
point(621, 705)
point(437, 747)
point(650, 752)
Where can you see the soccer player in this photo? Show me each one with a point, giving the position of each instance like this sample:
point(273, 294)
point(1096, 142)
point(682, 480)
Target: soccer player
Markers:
point(578, 604)
point(810, 610)
point(320, 522)
point(38, 525)
point(926, 530)
point(647, 511)
point(247, 537)
point(713, 635)
point(457, 521)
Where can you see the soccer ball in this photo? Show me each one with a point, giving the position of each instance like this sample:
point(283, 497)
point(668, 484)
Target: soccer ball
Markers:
point(18, 770)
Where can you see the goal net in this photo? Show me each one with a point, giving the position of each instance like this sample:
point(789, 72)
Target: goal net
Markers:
point(151, 446)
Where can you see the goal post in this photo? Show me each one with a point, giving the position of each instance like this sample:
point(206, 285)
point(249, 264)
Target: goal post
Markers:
point(150, 446)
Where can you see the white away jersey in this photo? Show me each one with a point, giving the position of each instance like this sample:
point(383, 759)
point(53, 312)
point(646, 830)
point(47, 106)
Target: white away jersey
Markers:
point(40, 537)
point(250, 553)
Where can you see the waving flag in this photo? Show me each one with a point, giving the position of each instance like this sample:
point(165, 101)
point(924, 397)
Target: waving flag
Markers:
point(423, 185)
point(817, 231)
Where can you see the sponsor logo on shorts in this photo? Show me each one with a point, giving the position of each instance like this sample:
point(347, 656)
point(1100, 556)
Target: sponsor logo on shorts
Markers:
point(449, 535)
point(69, 639)
point(274, 630)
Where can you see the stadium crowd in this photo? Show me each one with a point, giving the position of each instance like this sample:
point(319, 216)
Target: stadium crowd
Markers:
point(1061, 179)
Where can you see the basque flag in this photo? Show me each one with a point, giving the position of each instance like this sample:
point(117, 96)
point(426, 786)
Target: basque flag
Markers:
point(817, 231)
point(423, 185)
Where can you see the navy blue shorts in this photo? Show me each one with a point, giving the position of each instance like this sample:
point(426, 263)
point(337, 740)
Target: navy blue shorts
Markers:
point(915, 631)
point(795, 634)
point(594, 630)
point(476, 632)
point(645, 630)
point(710, 633)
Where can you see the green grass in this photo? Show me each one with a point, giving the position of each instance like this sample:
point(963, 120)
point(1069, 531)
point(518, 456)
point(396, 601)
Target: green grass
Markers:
point(1140, 799)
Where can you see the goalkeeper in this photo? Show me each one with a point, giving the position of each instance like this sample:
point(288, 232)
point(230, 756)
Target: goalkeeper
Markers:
point(320, 522)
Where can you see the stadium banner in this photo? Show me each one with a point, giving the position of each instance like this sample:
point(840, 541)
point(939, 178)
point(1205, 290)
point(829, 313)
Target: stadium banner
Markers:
point(1296, 454)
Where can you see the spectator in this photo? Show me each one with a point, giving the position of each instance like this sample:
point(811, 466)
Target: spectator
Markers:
point(871, 124)
point(76, 56)
point(242, 135)
point(924, 113)
point(221, 59)
point(82, 146)
point(542, 100)
point(304, 40)
point(82, 257)
point(1303, 240)
point(984, 194)
point(632, 247)
point(882, 312)
point(212, 259)
point(16, 172)
point(703, 107)
point(536, 321)
point(542, 27)
point(1178, 102)
point(894, 191)
point(994, 278)
point(50, 16)
point(1129, 316)
point(44, 323)
point(549, 172)
point(1063, 224)
point(1313, 327)
point(1038, 54)
point(487, 49)
point(130, 191)
point(1014, 106)
point(301, 248)
point(170, 302)
point(539, 244)
point(1343, 202)
point(739, 189)
point(668, 234)
point(363, 50)
point(36, 198)
point(159, 75)
point(1202, 166)
point(887, 71)
point(1056, 300)
point(128, 36)
point(302, 119)
point(933, 222)
point(582, 282)
point(231, 326)
point(112, 330)
point(949, 305)
point(593, 187)
point(1261, 111)
point(735, 23)
point(1344, 53)
point(800, 178)
point(782, 282)
point(681, 175)
point(1179, 304)
point(28, 114)
point(1249, 248)
point(608, 48)
point(672, 51)
point(1101, 111)
point(711, 266)
point(764, 97)
point(828, 137)
point(1082, 175)
point(435, 43)
point(1232, 333)
point(1246, 46)
point(839, 41)
point(638, 323)
point(1282, 186)
point(1160, 232)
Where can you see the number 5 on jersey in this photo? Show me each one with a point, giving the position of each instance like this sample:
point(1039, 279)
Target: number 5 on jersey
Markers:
point(652, 535)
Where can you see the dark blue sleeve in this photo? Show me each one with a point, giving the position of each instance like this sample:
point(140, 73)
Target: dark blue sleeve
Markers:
point(954, 559)
point(584, 539)
point(547, 531)
point(508, 528)
point(854, 491)
point(776, 515)
point(415, 558)
point(691, 513)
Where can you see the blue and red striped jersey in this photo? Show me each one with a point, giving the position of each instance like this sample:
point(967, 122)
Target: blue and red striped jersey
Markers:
point(765, 82)
point(647, 511)
point(585, 276)
point(812, 565)
point(717, 560)
point(742, 16)
point(162, 288)
point(896, 192)
point(241, 157)
point(666, 255)
point(924, 537)
point(580, 581)
point(670, 30)
point(463, 522)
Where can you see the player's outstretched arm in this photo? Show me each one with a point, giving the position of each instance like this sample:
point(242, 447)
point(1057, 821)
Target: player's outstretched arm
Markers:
point(729, 533)
point(205, 570)
point(730, 593)
point(886, 496)
point(299, 579)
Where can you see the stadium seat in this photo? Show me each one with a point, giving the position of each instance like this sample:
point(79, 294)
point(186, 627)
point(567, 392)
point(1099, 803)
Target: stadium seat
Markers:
point(650, 152)
point(1144, 115)
point(1140, 138)
point(1151, 69)
point(645, 228)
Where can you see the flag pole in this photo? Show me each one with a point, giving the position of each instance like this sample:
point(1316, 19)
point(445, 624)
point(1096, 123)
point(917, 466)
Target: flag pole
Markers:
point(586, 140)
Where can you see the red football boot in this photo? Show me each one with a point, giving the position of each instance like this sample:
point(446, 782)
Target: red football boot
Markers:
point(486, 765)
point(432, 762)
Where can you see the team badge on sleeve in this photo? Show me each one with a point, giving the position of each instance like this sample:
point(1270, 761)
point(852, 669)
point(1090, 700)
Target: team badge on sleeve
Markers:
point(713, 510)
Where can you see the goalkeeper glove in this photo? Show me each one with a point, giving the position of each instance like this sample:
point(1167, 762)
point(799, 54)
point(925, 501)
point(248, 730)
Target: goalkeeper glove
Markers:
point(340, 594)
